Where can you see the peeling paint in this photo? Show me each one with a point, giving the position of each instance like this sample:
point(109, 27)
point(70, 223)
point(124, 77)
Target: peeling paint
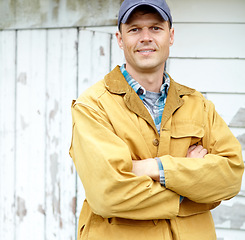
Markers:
point(55, 140)
point(76, 45)
point(24, 125)
point(61, 223)
point(22, 78)
point(55, 13)
point(102, 51)
point(47, 13)
point(234, 214)
point(85, 80)
point(53, 113)
point(71, 5)
point(239, 119)
point(55, 187)
point(41, 210)
point(56, 205)
point(55, 10)
point(241, 139)
point(53, 167)
point(21, 208)
point(73, 205)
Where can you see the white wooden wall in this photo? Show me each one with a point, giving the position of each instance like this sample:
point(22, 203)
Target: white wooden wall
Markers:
point(209, 55)
point(41, 71)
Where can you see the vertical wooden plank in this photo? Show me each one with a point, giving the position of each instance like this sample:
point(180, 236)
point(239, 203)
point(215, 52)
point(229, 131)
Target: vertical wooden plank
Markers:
point(117, 56)
point(61, 174)
point(7, 134)
point(94, 57)
point(30, 134)
point(94, 63)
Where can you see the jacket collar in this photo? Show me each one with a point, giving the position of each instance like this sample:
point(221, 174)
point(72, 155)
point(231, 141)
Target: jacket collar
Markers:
point(174, 99)
point(117, 84)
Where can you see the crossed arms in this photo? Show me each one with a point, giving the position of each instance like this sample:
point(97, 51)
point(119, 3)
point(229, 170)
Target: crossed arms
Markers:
point(149, 167)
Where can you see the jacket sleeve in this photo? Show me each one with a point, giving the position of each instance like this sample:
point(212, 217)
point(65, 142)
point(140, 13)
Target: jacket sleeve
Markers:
point(103, 162)
point(215, 177)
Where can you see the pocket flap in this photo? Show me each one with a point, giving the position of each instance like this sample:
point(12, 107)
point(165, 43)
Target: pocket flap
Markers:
point(187, 129)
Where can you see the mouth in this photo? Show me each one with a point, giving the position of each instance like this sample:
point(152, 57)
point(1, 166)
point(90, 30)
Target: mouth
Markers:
point(146, 50)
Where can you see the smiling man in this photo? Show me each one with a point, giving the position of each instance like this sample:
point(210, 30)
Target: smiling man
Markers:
point(154, 156)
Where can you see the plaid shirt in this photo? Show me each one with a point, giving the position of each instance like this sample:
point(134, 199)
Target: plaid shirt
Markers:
point(156, 112)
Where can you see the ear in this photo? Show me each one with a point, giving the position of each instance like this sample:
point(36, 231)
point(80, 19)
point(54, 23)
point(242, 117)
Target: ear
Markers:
point(119, 39)
point(171, 36)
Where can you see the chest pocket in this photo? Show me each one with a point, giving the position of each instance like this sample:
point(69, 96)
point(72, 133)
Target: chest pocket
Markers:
point(183, 135)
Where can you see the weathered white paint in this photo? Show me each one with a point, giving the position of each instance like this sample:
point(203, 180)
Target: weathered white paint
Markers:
point(7, 134)
point(117, 57)
point(70, 13)
point(228, 105)
point(63, 13)
point(30, 134)
point(209, 40)
point(231, 214)
point(60, 173)
point(209, 75)
point(211, 11)
point(94, 57)
point(227, 234)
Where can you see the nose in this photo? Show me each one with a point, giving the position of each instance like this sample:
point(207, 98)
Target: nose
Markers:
point(145, 35)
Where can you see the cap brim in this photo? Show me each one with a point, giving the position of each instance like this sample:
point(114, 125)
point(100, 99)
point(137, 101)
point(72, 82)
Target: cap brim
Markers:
point(128, 13)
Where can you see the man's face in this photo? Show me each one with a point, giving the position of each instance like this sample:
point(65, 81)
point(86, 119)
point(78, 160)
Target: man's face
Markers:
point(145, 40)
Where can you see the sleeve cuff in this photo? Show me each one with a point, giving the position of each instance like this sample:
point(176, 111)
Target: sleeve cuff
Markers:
point(161, 171)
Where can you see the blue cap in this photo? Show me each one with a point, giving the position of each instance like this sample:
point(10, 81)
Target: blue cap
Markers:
point(128, 6)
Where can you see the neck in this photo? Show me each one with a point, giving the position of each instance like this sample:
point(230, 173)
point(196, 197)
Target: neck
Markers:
point(150, 80)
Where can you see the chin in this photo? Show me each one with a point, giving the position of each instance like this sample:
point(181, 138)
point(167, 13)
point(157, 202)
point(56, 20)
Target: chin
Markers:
point(150, 66)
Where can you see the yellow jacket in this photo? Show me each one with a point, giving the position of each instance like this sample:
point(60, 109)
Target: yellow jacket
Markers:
point(111, 126)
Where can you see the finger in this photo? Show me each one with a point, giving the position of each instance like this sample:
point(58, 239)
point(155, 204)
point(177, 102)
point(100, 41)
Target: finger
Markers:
point(203, 152)
point(199, 148)
point(191, 148)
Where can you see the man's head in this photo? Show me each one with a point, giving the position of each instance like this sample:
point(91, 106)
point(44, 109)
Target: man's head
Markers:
point(145, 36)
point(128, 6)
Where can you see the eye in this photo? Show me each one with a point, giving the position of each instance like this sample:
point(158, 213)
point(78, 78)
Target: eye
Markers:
point(155, 28)
point(134, 30)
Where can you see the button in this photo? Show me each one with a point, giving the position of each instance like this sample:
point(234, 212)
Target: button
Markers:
point(155, 142)
point(140, 91)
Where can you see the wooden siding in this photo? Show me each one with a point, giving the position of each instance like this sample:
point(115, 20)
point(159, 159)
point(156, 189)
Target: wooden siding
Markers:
point(22, 14)
point(41, 71)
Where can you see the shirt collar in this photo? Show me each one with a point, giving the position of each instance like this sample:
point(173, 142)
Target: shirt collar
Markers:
point(141, 91)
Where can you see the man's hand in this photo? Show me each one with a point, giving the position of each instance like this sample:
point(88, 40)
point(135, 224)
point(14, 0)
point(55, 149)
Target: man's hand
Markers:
point(196, 151)
point(147, 167)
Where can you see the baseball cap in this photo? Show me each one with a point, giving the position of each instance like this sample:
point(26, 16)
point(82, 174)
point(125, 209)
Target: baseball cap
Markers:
point(128, 6)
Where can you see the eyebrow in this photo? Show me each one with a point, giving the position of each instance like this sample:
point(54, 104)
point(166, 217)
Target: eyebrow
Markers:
point(152, 24)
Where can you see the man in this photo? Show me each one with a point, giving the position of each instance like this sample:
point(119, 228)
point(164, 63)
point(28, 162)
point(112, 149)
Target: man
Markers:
point(154, 157)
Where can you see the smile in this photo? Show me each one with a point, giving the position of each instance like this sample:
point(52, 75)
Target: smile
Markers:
point(146, 51)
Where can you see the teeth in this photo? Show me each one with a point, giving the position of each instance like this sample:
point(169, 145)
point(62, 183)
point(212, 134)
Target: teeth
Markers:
point(147, 51)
